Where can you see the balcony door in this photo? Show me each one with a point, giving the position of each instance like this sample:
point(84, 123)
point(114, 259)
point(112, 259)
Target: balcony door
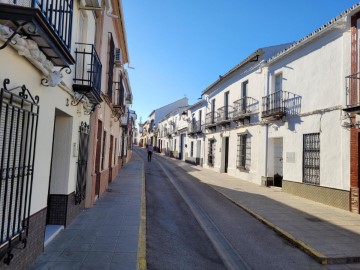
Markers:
point(278, 162)
point(226, 104)
point(244, 88)
point(213, 111)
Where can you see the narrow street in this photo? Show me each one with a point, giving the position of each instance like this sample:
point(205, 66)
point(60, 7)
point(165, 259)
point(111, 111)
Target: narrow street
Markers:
point(191, 226)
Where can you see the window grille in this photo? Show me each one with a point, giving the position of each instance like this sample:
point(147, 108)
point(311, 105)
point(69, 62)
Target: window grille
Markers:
point(311, 159)
point(243, 152)
point(82, 162)
point(18, 130)
point(211, 153)
point(191, 149)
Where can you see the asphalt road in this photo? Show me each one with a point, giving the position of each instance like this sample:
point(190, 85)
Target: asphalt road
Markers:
point(191, 226)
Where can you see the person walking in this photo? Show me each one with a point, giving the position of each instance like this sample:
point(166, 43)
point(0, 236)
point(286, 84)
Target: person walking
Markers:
point(150, 149)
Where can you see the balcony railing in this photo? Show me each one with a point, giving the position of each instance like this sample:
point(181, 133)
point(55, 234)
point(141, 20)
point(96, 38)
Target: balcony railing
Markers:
point(224, 115)
point(88, 68)
point(353, 93)
point(280, 103)
point(210, 119)
point(195, 127)
point(244, 107)
point(51, 30)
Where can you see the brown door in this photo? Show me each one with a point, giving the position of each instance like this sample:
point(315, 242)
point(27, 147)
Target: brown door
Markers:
point(110, 158)
point(98, 157)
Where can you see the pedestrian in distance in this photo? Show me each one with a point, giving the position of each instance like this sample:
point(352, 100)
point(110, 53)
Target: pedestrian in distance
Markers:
point(150, 149)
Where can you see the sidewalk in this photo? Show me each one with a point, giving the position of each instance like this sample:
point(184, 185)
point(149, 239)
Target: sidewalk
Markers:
point(330, 235)
point(108, 236)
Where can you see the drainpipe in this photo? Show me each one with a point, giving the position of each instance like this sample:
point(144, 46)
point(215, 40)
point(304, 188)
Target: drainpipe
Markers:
point(204, 144)
point(266, 90)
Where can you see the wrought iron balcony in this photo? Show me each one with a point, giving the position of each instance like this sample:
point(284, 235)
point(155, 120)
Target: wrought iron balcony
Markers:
point(224, 115)
point(244, 107)
point(278, 104)
point(210, 120)
point(88, 68)
point(124, 122)
point(353, 93)
point(195, 127)
point(47, 22)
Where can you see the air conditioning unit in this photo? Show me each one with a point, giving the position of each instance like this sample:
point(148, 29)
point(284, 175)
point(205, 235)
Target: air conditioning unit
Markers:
point(91, 3)
point(118, 57)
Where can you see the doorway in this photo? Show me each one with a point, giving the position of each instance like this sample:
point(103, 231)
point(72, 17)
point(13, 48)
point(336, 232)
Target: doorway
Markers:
point(182, 147)
point(198, 153)
point(57, 201)
point(278, 162)
point(226, 154)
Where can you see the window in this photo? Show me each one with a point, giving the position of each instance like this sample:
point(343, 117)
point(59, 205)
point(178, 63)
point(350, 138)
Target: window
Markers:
point(200, 116)
point(18, 130)
point(278, 82)
point(211, 153)
point(175, 145)
point(243, 152)
point(192, 149)
point(103, 151)
point(311, 158)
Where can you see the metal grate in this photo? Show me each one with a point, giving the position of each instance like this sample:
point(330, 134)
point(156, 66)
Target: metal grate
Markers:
point(311, 159)
point(82, 162)
point(18, 130)
point(211, 153)
point(243, 152)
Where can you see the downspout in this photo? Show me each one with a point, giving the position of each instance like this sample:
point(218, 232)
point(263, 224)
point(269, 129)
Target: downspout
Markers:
point(267, 90)
point(204, 144)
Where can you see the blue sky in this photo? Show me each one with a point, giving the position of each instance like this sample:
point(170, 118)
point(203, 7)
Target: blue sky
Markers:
point(178, 48)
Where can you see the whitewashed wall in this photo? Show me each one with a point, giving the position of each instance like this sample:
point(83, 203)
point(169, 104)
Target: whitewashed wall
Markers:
point(316, 72)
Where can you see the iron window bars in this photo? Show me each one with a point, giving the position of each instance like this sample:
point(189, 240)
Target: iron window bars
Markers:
point(311, 158)
point(18, 131)
point(243, 152)
point(211, 153)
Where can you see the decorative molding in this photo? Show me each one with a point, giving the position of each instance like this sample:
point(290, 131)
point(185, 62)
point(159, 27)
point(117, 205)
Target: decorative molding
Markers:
point(30, 50)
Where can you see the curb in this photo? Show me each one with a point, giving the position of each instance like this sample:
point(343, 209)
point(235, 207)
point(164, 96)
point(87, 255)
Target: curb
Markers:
point(141, 257)
point(318, 256)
